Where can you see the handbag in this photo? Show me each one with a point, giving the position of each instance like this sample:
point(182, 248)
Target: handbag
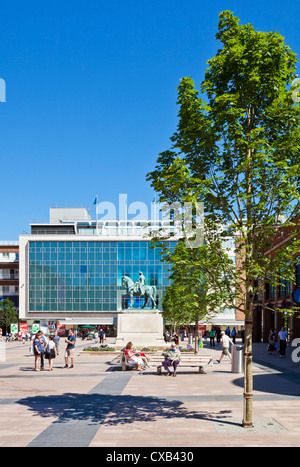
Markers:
point(47, 353)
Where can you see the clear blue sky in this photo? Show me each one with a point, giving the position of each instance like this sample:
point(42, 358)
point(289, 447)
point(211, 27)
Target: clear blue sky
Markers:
point(91, 90)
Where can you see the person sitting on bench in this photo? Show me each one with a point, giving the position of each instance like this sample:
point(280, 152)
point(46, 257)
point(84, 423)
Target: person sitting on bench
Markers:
point(132, 358)
point(172, 358)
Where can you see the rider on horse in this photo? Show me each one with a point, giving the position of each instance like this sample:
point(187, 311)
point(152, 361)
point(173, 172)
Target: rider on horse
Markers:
point(139, 286)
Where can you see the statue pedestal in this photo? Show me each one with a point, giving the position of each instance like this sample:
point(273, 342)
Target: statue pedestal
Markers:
point(144, 328)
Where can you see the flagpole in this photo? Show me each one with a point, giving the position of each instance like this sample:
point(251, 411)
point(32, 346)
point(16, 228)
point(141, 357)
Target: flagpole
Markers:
point(97, 213)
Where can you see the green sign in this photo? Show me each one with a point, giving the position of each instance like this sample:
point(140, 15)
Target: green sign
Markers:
point(35, 328)
point(14, 328)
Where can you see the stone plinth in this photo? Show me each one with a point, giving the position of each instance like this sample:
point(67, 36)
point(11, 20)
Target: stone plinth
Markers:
point(144, 328)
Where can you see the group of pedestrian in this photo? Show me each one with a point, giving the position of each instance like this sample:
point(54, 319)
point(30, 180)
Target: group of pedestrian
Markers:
point(231, 333)
point(48, 349)
point(141, 361)
point(168, 337)
point(278, 341)
point(173, 355)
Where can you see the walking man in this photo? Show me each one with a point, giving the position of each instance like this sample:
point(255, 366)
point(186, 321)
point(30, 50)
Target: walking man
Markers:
point(56, 340)
point(282, 337)
point(225, 339)
point(102, 335)
point(69, 353)
point(212, 334)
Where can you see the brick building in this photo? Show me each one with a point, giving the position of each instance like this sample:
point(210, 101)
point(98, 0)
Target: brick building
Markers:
point(272, 299)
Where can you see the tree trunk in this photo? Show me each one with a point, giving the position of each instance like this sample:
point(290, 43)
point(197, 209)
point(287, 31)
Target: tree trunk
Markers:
point(248, 376)
point(196, 334)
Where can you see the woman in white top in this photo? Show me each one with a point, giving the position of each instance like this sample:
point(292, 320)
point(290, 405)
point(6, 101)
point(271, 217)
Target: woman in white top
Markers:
point(50, 352)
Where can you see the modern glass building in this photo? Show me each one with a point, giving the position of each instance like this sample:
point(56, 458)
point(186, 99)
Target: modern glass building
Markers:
point(86, 276)
point(69, 274)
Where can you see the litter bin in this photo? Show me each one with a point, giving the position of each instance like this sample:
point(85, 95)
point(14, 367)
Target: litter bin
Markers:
point(237, 359)
point(190, 339)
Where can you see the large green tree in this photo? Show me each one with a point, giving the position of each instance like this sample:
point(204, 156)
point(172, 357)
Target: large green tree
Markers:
point(236, 149)
point(8, 313)
point(193, 294)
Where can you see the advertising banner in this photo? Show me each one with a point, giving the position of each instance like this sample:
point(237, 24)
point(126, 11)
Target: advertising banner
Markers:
point(61, 329)
point(24, 327)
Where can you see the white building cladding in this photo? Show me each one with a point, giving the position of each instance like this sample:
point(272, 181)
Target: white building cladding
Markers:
point(71, 268)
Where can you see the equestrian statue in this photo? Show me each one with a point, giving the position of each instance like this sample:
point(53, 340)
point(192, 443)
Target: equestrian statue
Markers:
point(139, 289)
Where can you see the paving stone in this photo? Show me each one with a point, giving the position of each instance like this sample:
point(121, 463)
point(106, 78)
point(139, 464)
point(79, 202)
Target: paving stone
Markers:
point(94, 406)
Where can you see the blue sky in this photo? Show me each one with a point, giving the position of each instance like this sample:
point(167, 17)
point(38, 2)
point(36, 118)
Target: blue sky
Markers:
point(91, 92)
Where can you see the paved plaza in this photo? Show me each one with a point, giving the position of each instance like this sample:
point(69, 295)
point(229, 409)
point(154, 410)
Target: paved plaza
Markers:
point(97, 405)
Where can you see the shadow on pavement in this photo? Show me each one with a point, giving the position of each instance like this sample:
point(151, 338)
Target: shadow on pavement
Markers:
point(116, 410)
point(280, 383)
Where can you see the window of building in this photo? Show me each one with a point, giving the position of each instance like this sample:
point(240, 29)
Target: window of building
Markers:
point(298, 275)
point(270, 289)
point(4, 273)
point(284, 288)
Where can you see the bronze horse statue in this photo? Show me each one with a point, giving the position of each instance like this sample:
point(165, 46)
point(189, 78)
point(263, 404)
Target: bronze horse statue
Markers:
point(131, 289)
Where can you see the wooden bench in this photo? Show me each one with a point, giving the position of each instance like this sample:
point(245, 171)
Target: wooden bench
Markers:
point(187, 360)
point(124, 364)
point(122, 361)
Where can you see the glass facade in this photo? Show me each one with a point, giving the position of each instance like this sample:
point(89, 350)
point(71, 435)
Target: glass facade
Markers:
point(87, 275)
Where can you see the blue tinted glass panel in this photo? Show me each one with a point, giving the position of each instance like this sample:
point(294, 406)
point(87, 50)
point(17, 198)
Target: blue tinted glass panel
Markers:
point(87, 276)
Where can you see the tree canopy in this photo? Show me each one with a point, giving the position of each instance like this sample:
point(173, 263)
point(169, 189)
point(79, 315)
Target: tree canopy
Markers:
point(236, 150)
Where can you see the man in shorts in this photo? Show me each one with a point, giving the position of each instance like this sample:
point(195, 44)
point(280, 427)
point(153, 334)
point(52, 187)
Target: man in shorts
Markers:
point(225, 339)
point(69, 353)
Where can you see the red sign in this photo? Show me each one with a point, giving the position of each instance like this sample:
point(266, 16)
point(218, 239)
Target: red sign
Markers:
point(61, 329)
point(23, 327)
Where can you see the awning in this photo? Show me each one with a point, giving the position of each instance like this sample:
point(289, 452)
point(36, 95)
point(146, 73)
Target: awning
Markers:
point(227, 322)
point(105, 320)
